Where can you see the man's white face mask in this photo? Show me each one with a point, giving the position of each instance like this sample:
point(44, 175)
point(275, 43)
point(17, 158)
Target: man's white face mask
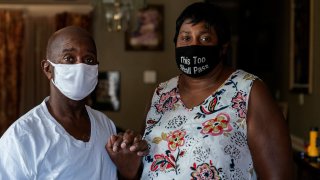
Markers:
point(75, 81)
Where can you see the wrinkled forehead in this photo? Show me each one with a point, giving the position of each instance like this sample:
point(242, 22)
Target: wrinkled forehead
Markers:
point(190, 24)
point(194, 22)
point(69, 40)
point(73, 40)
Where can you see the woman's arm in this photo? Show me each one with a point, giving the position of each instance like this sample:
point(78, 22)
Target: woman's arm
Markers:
point(268, 136)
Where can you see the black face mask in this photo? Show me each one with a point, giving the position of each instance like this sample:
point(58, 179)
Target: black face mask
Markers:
point(196, 61)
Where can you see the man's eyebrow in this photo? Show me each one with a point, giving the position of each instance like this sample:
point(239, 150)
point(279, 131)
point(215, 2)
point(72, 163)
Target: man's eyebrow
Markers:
point(73, 49)
point(68, 50)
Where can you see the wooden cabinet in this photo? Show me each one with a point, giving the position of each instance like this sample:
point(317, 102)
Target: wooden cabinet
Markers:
point(306, 168)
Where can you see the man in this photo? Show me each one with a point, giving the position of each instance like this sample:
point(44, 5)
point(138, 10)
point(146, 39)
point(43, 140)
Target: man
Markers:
point(62, 138)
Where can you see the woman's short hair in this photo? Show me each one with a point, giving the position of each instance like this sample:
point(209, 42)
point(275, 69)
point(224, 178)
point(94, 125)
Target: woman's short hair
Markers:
point(210, 14)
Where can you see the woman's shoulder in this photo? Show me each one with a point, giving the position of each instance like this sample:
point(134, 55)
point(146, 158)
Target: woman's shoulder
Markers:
point(243, 76)
point(169, 84)
point(171, 81)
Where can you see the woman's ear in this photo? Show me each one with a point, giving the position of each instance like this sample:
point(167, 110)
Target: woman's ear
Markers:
point(225, 48)
point(45, 66)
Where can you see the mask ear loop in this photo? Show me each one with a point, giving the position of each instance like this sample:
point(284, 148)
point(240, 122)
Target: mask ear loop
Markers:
point(53, 64)
point(53, 74)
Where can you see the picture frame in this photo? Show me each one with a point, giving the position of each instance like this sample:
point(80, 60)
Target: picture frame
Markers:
point(301, 46)
point(46, 1)
point(106, 96)
point(146, 30)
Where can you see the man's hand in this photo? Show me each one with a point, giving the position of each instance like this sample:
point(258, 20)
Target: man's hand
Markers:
point(126, 150)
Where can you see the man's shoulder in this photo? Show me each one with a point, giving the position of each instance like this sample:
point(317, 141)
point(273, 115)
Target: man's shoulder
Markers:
point(95, 112)
point(27, 122)
point(100, 119)
point(33, 114)
point(98, 115)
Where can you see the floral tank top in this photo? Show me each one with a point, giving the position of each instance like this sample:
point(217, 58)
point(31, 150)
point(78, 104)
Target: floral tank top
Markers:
point(208, 141)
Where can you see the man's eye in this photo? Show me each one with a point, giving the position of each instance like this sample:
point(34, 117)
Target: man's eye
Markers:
point(68, 59)
point(90, 61)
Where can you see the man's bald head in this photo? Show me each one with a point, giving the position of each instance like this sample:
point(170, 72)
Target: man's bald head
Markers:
point(65, 34)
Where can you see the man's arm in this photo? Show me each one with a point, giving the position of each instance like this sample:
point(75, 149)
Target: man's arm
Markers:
point(268, 136)
point(131, 145)
point(14, 158)
point(126, 150)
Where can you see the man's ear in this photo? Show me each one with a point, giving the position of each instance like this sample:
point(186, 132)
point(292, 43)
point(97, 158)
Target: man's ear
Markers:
point(45, 66)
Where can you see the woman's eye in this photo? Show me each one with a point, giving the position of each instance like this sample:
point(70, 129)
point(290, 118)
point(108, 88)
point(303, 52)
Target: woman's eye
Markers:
point(205, 39)
point(185, 38)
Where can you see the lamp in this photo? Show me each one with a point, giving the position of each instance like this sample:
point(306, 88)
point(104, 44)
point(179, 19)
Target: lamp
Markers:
point(117, 13)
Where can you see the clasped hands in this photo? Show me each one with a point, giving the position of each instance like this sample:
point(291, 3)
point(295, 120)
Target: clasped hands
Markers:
point(125, 150)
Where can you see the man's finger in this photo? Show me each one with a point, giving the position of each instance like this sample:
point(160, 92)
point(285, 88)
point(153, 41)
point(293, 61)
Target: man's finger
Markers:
point(128, 138)
point(117, 143)
point(141, 147)
point(137, 138)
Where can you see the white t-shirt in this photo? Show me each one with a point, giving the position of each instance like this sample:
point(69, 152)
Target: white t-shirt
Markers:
point(36, 146)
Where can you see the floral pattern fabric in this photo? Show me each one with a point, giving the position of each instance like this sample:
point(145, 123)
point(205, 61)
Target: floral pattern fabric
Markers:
point(208, 141)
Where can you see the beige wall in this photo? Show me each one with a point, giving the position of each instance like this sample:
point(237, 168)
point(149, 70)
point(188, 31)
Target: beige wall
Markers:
point(131, 64)
point(135, 94)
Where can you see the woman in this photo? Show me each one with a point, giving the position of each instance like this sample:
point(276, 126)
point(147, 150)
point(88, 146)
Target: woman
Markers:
point(212, 121)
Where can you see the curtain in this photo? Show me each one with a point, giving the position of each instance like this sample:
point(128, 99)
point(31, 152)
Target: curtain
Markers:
point(77, 19)
point(35, 85)
point(38, 30)
point(11, 44)
point(23, 41)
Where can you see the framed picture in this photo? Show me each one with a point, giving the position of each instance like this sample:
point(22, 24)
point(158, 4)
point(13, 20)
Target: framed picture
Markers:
point(301, 46)
point(106, 96)
point(146, 30)
point(46, 1)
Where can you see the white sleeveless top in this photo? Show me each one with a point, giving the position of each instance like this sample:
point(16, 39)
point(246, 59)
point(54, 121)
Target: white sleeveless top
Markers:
point(208, 141)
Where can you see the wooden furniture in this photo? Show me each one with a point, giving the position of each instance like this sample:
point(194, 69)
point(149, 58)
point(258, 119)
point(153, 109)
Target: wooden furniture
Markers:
point(307, 168)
